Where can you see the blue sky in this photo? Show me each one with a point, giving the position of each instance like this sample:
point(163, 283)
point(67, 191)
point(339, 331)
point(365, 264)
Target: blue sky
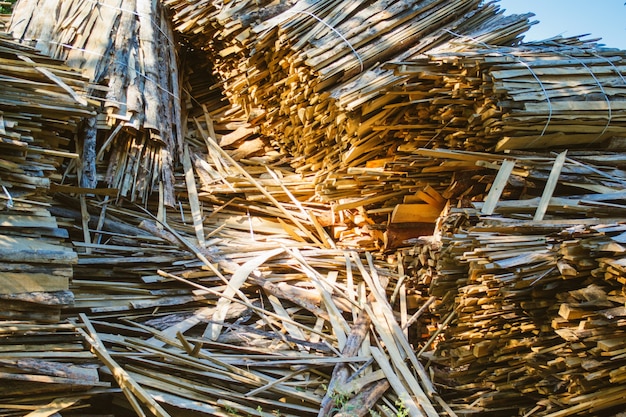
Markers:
point(601, 18)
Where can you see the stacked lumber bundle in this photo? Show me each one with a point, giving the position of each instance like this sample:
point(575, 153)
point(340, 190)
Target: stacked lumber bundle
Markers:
point(477, 100)
point(537, 322)
point(41, 107)
point(41, 359)
point(529, 287)
point(543, 95)
point(128, 48)
point(315, 80)
point(311, 75)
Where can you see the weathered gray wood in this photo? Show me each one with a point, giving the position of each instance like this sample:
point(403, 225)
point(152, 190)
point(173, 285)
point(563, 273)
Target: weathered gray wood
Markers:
point(22, 249)
point(128, 47)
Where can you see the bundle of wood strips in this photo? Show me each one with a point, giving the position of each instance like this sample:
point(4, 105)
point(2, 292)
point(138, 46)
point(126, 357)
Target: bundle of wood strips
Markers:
point(42, 104)
point(534, 319)
point(41, 107)
point(128, 51)
point(527, 287)
point(531, 97)
point(310, 75)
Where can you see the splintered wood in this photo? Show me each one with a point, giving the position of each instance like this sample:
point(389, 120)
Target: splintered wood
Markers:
point(254, 317)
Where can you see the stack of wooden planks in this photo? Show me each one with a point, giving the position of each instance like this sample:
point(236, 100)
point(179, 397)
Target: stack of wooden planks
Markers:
point(534, 322)
point(535, 96)
point(311, 75)
point(247, 306)
point(41, 107)
point(45, 368)
point(319, 278)
point(477, 99)
point(528, 289)
point(127, 50)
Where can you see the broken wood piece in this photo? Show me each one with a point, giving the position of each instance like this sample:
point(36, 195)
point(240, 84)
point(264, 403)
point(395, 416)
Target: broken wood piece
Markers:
point(54, 407)
point(132, 390)
point(236, 281)
point(415, 213)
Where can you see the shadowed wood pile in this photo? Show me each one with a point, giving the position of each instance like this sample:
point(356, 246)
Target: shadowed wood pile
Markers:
point(45, 367)
point(127, 47)
point(41, 108)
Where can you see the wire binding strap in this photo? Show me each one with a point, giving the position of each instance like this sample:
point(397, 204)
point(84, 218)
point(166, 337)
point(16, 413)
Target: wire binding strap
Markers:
point(518, 59)
point(606, 97)
point(617, 71)
point(334, 30)
point(545, 93)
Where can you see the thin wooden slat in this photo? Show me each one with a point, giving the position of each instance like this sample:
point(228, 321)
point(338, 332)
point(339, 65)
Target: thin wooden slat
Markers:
point(239, 277)
point(395, 382)
point(54, 407)
point(550, 186)
point(131, 389)
point(498, 186)
point(196, 211)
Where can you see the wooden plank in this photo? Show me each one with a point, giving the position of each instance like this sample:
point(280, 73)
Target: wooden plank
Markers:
point(192, 195)
point(14, 220)
point(415, 213)
point(24, 249)
point(550, 186)
point(132, 390)
point(16, 282)
point(497, 187)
